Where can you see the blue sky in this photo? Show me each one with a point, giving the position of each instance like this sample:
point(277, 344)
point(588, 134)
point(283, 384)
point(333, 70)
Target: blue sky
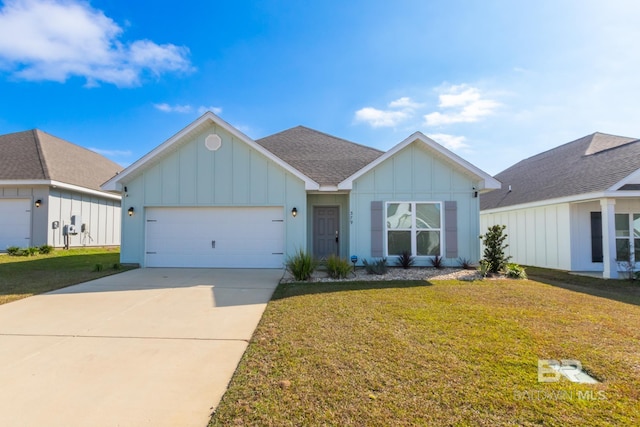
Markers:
point(495, 81)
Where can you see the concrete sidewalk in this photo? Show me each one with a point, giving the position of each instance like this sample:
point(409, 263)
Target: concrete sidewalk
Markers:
point(152, 347)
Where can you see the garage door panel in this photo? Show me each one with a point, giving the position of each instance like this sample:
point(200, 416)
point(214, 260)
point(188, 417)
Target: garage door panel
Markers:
point(15, 223)
point(215, 237)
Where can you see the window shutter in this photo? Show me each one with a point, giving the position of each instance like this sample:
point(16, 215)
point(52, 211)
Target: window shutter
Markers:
point(596, 237)
point(451, 228)
point(377, 229)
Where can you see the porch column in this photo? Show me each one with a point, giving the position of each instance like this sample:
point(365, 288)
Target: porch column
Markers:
point(608, 207)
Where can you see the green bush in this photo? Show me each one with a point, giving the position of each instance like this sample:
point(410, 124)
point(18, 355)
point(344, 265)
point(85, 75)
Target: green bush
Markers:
point(465, 263)
point(337, 268)
point(405, 260)
point(378, 267)
point(31, 251)
point(437, 262)
point(514, 271)
point(45, 249)
point(97, 267)
point(494, 247)
point(14, 251)
point(301, 265)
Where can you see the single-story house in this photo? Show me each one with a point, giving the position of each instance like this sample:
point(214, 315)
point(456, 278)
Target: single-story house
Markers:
point(210, 196)
point(50, 193)
point(575, 207)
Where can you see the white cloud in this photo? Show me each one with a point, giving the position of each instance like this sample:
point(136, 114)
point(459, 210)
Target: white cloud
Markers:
point(464, 104)
point(173, 108)
point(380, 118)
point(215, 110)
point(404, 102)
point(400, 110)
point(64, 38)
point(177, 108)
point(452, 142)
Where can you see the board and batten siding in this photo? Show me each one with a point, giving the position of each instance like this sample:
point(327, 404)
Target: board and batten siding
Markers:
point(539, 236)
point(101, 218)
point(193, 176)
point(414, 174)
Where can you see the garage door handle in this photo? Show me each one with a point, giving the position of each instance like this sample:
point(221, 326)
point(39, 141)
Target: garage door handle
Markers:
point(213, 244)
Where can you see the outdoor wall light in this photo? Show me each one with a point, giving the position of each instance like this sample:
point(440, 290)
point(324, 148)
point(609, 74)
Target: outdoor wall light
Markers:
point(38, 203)
point(130, 211)
point(294, 212)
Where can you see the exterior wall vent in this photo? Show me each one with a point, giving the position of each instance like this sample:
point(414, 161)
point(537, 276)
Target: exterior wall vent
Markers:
point(213, 142)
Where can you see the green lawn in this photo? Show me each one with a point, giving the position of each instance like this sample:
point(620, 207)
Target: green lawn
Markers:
point(441, 353)
point(21, 277)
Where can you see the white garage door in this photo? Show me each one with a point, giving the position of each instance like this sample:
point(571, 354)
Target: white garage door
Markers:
point(15, 223)
point(215, 237)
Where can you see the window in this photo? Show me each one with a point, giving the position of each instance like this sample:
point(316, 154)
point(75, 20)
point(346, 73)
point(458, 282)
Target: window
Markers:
point(414, 227)
point(627, 236)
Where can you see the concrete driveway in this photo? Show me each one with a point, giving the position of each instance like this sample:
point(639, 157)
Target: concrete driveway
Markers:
point(152, 347)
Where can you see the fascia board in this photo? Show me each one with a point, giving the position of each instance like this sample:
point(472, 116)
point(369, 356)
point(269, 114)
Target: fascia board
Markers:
point(58, 184)
point(633, 177)
point(487, 182)
point(114, 184)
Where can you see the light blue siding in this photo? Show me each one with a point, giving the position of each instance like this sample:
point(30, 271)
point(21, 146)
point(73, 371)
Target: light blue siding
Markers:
point(191, 175)
point(414, 174)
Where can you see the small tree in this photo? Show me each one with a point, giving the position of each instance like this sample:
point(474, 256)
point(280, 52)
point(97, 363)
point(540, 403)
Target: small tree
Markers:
point(494, 246)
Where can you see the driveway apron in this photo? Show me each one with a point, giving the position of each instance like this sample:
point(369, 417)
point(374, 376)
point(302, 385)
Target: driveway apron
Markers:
point(152, 347)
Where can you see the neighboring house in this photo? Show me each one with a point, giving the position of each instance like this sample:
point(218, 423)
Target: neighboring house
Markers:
point(212, 197)
point(575, 207)
point(50, 193)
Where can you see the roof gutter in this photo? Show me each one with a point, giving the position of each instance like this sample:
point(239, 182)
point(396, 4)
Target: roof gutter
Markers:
point(578, 198)
point(59, 185)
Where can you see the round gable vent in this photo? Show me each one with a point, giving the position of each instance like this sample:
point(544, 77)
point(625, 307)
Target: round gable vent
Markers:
point(213, 142)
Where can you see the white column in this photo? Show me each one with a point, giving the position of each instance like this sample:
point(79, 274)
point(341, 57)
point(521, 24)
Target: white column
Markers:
point(609, 238)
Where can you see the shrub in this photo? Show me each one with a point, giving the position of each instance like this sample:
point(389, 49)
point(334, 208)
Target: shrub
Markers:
point(31, 251)
point(117, 266)
point(338, 268)
point(514, 271)
point(378, 267)
point(494, 247)
point(484, 267)
point(45, 249)
point(405, 260)
point(301, 265)
point(465, 263)
point(97, 267)
point(14, 251)
point(438, 262)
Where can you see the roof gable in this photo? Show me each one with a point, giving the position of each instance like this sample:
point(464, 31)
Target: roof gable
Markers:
point(453, 160)
point(169, 145)
point(593, 163)
point(37, 155)
point(324, 158)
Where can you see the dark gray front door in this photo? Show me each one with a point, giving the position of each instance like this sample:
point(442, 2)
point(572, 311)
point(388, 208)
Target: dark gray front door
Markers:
point(326, 231)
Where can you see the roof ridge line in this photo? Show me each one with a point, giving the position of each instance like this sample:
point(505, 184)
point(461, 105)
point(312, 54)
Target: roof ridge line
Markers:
point(41, 158)
point(325, 134)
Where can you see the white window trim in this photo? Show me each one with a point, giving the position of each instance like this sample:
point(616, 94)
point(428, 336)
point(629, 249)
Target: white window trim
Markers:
point(414, 248)
point(630, 238)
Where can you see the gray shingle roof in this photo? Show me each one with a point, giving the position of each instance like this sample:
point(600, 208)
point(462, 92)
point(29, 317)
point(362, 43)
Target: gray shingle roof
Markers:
point(36, 155)
point(324, 158)
point(589, 164)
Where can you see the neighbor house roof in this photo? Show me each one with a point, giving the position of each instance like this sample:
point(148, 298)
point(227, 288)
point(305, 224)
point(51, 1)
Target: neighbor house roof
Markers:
point(34, 155)
point(324, 158)
point(594, 163)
